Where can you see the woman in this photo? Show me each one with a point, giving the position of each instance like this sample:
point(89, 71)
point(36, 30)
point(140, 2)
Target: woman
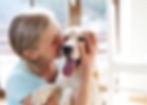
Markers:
point(36, 38)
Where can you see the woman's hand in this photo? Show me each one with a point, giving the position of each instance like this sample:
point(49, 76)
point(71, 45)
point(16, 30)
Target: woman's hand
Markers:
point(88, 51)
point(87, 56)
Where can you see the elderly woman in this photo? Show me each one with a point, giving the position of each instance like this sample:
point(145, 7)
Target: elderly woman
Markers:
point(36, 39)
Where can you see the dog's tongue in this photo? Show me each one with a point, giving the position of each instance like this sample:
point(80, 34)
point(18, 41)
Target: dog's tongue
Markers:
point(69, 68)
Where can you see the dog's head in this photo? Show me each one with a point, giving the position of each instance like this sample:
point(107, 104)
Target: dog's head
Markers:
point(70, 49)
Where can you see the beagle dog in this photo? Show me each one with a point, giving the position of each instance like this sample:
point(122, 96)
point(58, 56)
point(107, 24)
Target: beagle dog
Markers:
point(68, 80)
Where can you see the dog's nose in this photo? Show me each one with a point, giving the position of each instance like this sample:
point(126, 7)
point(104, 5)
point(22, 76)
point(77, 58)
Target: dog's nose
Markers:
point(67, 50)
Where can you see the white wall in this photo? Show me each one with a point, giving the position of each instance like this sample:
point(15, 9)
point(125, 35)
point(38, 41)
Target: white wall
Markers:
point(134, 28)
point(130, 65)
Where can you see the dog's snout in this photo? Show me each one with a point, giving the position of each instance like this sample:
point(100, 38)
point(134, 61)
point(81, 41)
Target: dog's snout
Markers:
point(67, 50)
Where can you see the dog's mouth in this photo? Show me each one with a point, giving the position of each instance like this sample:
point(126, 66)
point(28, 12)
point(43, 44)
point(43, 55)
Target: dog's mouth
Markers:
point(70, 66)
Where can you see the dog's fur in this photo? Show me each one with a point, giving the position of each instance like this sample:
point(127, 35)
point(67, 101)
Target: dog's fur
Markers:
point(65, 88)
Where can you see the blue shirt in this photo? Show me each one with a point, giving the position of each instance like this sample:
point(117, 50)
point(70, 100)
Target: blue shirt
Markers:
point(22, 83)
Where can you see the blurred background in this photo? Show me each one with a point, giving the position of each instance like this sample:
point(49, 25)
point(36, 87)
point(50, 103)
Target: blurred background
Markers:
point(121, 26)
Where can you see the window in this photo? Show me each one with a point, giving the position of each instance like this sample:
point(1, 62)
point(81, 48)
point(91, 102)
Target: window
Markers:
point(128, 30)
point(7, 11)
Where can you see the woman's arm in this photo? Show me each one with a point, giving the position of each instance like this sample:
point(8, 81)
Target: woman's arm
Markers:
point(27, 101)
point(87, 62)
point(82, 98)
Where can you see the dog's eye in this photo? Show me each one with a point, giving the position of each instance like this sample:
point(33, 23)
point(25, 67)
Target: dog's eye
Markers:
point(81, 39)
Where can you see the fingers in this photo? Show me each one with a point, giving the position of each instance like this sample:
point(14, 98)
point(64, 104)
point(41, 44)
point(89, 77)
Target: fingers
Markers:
point(92, 37)
point(94, 41)
point(82, 50)
point(90, 41)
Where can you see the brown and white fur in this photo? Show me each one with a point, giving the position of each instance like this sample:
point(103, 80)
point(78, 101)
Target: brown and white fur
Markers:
point(66, 87)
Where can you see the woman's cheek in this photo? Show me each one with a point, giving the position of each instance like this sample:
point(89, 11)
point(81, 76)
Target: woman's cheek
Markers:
point(53, 48)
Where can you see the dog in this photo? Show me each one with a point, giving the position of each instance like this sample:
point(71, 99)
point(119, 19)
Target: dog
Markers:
point(68, 80)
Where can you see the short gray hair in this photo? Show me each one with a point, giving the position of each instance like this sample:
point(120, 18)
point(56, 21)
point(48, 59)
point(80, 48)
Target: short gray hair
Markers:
point(25, 31)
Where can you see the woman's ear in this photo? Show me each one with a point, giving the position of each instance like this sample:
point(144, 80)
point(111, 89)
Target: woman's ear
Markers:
point(30, 54)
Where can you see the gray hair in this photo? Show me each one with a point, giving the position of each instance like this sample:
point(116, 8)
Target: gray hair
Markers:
point(26, 29)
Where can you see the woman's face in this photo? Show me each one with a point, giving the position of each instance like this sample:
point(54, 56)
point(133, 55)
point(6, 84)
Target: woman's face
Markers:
point(50, 43)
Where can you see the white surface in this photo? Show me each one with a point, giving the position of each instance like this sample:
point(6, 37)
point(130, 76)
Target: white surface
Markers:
point(7, 62)
point(122, 98)
point(134, 27)
point(3, 102)
point(133, 31)
point(129, 66)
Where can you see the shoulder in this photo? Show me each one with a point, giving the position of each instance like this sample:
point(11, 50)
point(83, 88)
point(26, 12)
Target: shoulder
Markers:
point(18, 74)
point(22, 76)
point(21, 83)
